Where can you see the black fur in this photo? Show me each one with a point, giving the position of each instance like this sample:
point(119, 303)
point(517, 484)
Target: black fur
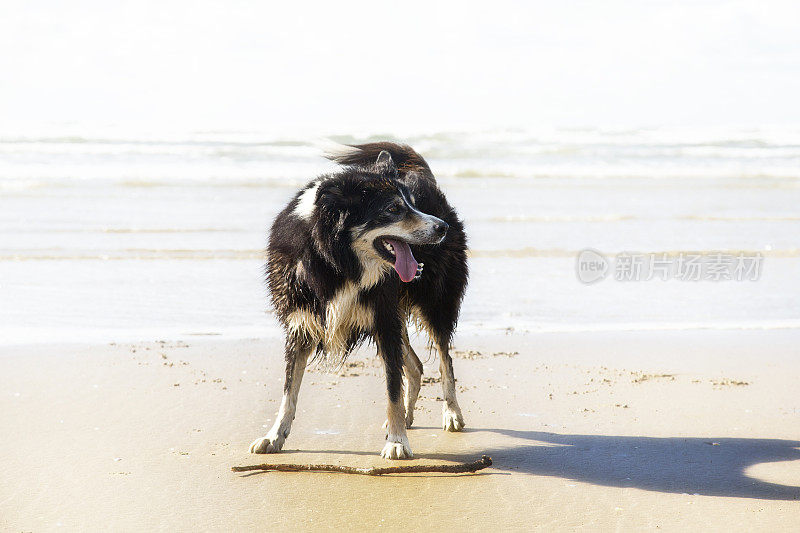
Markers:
point(359, 195)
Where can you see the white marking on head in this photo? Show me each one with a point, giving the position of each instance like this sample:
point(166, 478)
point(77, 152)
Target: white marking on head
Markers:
point(307, 202)
point(409, 198)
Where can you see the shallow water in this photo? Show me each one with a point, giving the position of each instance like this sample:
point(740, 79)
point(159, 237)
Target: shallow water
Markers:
point(114, 235)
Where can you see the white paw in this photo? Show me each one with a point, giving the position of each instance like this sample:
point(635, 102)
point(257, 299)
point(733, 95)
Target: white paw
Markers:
point(270, 443)
point(397, 450)
point(452, 420)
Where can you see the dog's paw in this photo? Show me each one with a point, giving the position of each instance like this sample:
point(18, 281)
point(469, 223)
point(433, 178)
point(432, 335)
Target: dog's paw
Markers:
point(452, 420)
point(397, 450)
point(268, 444)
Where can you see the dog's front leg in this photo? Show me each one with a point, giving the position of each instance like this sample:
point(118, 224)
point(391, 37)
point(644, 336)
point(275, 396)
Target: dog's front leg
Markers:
point(297, 352)
point(390, 348)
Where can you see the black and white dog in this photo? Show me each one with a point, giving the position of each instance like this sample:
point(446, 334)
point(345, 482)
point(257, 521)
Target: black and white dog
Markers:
point(345, 264)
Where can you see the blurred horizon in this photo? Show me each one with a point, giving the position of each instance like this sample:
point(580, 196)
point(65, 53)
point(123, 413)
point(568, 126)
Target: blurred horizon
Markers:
point(386, 68)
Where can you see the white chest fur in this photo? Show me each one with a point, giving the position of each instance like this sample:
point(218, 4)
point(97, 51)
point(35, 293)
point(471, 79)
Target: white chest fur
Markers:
point(343, 314)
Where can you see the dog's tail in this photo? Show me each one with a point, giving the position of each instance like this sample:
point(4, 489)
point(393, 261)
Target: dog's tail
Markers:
point(405, 158)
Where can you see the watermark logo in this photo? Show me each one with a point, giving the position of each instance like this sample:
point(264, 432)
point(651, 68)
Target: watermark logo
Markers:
point(591, 266)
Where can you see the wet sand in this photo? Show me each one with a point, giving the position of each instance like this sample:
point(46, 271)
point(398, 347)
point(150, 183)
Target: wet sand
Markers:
point(625, 430)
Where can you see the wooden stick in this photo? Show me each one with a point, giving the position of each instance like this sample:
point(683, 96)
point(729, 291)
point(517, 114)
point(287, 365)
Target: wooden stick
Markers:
point(482, 463)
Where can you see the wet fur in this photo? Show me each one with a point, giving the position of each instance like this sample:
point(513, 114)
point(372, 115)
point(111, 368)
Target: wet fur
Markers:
point(330, 295)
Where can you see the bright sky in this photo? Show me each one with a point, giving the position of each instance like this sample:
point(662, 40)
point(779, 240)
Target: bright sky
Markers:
point(429, 64)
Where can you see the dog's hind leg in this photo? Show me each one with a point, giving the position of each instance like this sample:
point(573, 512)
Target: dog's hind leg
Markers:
point(412, 369)
point(297, 352)
point(452, 420)
point(438, 315)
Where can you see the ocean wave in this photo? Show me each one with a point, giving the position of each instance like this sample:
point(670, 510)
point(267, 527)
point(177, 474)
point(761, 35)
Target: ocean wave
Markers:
point(559, 218)
point(155, 254)
point(127, 254)
point(157, 156)
point(444, 144)
point(620, 218)
point(479, 327)
point(532, 252)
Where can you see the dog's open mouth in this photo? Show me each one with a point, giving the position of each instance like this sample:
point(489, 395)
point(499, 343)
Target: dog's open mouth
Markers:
point(398, 252)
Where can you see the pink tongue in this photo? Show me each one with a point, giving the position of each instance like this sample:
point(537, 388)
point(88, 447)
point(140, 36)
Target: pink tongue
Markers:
point(404, 261)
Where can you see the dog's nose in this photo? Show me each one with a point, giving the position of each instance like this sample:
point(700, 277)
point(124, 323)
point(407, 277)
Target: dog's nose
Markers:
point(441, 228)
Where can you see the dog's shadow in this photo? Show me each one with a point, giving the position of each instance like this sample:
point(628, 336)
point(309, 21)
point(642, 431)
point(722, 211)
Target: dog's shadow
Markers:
point(691, 465)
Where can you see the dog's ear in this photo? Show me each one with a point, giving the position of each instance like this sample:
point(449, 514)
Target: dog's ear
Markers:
point(385, 164)
point(410, 177)
point(329, 231)
point(337, 197)
point(329, 195)
point(410, 180)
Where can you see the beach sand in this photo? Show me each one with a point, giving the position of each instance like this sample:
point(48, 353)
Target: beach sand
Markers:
point(625, 430)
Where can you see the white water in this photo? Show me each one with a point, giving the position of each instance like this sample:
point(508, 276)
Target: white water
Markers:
point(111, 235)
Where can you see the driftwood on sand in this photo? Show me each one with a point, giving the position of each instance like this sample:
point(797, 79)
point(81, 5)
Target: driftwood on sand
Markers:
point(483, 462)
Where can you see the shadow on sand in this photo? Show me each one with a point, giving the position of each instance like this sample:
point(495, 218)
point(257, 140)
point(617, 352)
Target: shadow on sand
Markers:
point(705, 466)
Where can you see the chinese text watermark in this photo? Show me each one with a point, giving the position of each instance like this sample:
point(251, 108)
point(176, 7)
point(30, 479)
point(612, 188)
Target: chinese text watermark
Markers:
point(592, 266)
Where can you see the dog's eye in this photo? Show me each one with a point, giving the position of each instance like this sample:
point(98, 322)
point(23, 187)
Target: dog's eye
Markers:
point(395, 209)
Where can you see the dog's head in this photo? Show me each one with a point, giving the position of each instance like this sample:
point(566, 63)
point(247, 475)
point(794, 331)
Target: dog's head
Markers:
point(372, 215)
